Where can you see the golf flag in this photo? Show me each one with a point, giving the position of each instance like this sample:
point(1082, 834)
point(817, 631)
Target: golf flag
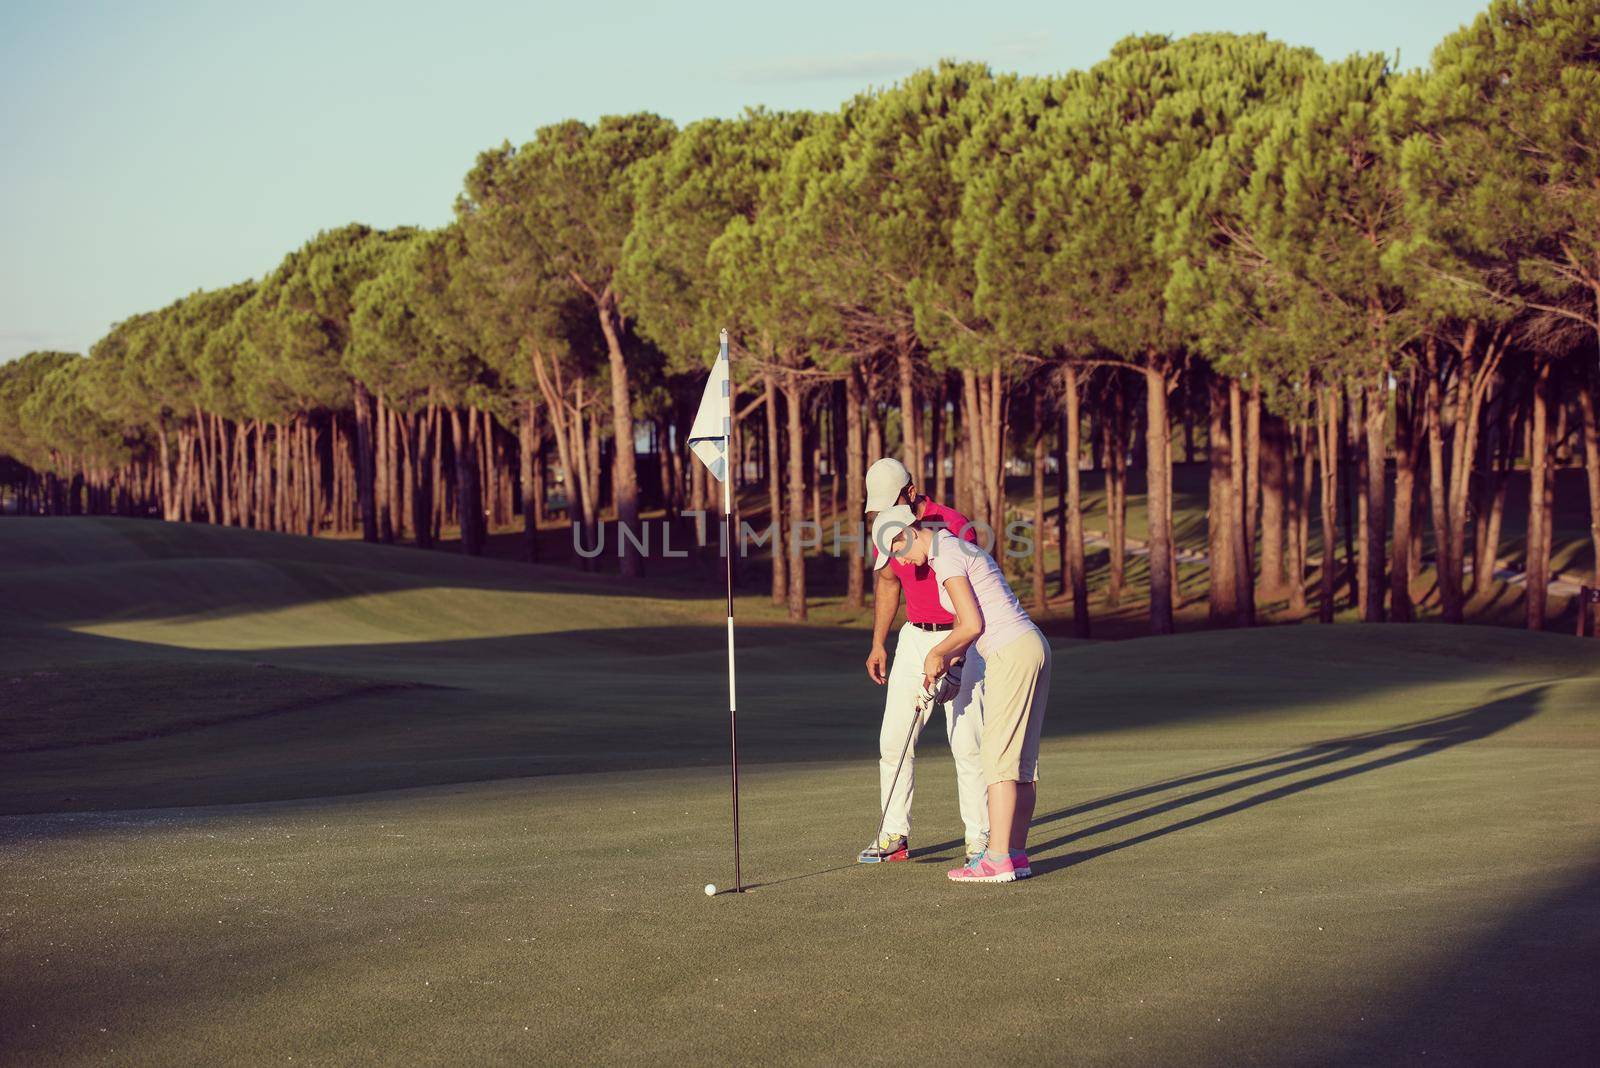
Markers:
point(713, 423)
point(711, 439)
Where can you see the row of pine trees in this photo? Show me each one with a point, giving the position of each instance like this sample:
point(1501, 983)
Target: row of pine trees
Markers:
point(1352, 282)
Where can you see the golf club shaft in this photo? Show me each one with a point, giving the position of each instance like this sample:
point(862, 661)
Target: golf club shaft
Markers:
point(916, 718)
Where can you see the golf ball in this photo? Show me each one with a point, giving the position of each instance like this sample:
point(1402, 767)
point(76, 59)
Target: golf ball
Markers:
point(711, 889)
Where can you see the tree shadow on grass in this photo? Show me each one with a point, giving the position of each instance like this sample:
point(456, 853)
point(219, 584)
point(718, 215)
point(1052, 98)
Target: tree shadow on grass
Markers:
point(1281, 776)
point(1426, 736)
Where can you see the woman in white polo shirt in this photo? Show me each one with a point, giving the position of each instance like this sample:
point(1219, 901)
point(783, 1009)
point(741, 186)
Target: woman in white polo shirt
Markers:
point(1016, 681)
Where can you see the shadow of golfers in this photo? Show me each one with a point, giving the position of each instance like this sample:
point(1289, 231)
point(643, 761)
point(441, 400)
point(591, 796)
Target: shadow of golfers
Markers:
point(1420, 737)
point(1289, 773)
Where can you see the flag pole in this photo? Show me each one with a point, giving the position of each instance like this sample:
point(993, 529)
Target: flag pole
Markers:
point(727, 556)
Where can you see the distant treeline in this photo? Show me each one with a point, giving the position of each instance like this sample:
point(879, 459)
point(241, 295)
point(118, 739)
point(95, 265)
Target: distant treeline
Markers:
point(1351, 278)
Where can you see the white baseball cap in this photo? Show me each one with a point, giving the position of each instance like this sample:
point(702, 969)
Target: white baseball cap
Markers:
point(888, 526)
point(885, 480)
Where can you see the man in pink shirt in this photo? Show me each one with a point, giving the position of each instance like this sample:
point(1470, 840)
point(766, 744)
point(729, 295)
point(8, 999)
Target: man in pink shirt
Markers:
point(927, 623)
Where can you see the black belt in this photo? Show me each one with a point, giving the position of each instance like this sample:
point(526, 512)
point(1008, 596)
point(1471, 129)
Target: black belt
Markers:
point(934, 626)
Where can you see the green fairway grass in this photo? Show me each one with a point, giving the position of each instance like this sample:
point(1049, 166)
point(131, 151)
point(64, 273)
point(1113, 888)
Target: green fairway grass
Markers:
point(268, 799)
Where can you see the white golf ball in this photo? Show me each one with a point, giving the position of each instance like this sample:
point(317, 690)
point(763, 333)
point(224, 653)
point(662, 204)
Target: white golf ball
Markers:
point(711, 889)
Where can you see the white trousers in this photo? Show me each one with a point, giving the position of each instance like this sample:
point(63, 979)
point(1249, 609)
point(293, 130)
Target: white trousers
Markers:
point(963, 718)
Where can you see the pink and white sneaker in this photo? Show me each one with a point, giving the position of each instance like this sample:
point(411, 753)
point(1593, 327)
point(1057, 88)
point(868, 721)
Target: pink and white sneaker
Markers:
point(981, 869)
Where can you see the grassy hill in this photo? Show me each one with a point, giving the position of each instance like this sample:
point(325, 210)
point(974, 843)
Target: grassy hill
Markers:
point(275, 797)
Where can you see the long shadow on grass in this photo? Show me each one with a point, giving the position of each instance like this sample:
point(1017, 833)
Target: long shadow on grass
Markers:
point(1422, 738)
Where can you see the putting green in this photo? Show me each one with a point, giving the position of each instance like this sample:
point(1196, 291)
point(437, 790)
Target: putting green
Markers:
point(276, 798)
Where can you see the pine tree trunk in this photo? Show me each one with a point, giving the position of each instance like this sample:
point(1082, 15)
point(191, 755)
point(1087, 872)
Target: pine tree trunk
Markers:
point(624, 479)
point(540, 473)
point(1223, 593)
point(243, 506)
point(489, 469)
point(440, 492)
point(1239, 512)
point(855, 493)
point(997, 435)
point(1158, 469)
point(1473, 381)
point(941, 485)
point(1298, 536)
point(1506, 439)
point(292, 474)
point(529, 433)
point(1276, 477)
point(169, 511)
point(697, 503)
point(874, 428)
point(1072, 543)
point(593, 474)
point(960, 453)
point(1064, 575)
point(365, 463)
point(1486, 561)
point(663, 451)
point(282, 508)
point(796, 564)
point(503, 473)
point(400, 473)
point(224, 478)
point(401, 460)
point(424, 464)
point(1447, 568)
point(972, 439)
point(1587, 385)
point(581, 475)
point(389, 472)
point(1463, 443)
point(1252, 487)
point(383, 481)
point(202, 438)
point(469, 506)
point(265, 516)
point(1328, 461)
point(1356, 511)
point(581, 493)
point(911, 445)
point(308, 461)
point(815, 473)
point(1405, 474)
point(1538, 551)
point(835, 448)
point(1376, 496)
point(1186, 406)
point(780, 573)
point(1041, 453)
point(679, 478)
point(338, 454)
point(1114, 428)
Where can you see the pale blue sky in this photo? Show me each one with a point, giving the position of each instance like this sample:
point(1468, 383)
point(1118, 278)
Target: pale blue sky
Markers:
point(147, 150)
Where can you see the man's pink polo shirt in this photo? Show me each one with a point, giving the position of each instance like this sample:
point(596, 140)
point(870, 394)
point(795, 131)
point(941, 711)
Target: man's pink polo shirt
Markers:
point(922, 588)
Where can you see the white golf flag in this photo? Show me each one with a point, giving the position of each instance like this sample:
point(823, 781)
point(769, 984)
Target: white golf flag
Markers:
point(713, 423)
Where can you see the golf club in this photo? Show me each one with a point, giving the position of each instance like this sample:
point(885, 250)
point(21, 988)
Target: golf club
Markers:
point(943, 689)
